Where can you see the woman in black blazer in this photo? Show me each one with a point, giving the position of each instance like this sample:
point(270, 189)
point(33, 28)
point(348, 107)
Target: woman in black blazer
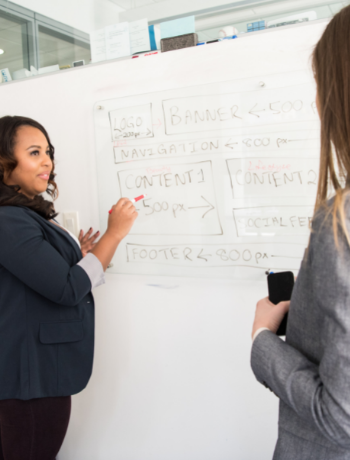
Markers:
point(46, 304)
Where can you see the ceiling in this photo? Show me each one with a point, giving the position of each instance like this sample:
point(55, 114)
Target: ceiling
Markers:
point(132, 4)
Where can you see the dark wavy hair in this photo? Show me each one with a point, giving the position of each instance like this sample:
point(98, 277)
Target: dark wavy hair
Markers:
point(9, 194)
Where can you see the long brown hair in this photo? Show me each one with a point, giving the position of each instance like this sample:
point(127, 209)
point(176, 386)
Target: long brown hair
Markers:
point(9, 194)
point(331, 66)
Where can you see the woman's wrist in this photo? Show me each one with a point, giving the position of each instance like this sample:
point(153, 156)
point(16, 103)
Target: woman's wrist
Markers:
point(257, 332)
point(104, 250)
point(269, 315)
point(113, 237)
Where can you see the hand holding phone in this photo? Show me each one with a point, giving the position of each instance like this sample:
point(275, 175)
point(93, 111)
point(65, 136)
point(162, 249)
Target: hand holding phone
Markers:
point(280, 287)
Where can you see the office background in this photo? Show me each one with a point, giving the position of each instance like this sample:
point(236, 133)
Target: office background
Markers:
point(43, 33)
point(175, 382)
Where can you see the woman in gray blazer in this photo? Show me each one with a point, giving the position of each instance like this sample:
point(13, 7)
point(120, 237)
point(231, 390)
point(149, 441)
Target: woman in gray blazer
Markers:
point(46, 304)
point(310, 371)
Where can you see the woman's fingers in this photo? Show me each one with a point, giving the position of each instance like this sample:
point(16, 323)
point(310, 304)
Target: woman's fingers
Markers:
point(269, 315)
point(88, 238)
point(128, 205)
point(87, 235)
point(123, 202)
point(284, 305)
point(94, 237)
point(122, 218)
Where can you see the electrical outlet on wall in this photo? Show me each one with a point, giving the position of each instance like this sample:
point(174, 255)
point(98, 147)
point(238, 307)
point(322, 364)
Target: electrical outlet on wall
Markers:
point(71, 222)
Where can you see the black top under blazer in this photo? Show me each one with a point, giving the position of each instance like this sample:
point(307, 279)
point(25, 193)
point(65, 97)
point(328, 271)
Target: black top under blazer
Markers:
point(46, 309)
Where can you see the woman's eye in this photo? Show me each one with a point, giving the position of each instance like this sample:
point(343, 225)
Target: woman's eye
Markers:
point(35, 152)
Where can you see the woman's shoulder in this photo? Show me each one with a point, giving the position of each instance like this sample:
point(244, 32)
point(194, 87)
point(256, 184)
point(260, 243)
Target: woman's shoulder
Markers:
point(10, 209)
point(13, 211)
point(325, 211)
point(17, 215)
point(323, 217)
point(323, 222)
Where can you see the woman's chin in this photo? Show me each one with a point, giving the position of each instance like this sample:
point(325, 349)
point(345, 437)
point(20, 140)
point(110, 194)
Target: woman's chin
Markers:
point(40, 190)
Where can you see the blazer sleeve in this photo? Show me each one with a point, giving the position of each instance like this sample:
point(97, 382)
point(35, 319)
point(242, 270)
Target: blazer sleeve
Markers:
point(28, 256)
point(319, 394)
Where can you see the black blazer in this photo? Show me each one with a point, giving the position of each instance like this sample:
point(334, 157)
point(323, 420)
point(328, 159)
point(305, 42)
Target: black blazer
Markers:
point(46, 309)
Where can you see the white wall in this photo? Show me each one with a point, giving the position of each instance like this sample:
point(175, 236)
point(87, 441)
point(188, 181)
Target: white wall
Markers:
point(105, 13)
point(172, 8)
point(172, 377)
point(210, 12)
point(85, 15)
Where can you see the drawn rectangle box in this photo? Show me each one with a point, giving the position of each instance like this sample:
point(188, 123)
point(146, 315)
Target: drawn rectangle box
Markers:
point(131, 122)
point(213, 112)
point(181, 199)
point(273, 220)
point(125, 152)
point(253, 255)
point(273, 176)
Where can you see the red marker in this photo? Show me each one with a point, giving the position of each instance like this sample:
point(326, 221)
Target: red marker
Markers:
point(145, 54)
point(134, 200)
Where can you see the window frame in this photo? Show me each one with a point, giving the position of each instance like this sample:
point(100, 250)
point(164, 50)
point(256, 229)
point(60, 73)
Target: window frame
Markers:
point(32, 22)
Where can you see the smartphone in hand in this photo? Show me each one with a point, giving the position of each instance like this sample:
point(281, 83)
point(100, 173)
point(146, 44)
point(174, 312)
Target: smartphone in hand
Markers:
point(280, 289)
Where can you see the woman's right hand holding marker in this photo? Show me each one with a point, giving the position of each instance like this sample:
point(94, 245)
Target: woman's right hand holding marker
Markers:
point(121, 219)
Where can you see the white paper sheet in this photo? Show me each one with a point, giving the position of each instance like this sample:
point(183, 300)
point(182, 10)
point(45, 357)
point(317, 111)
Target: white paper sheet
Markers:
point(117, 40)
point(98, 45)
point(139, 36)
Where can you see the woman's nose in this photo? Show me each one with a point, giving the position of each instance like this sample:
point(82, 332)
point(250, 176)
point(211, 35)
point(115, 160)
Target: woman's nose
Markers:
point(47, 161)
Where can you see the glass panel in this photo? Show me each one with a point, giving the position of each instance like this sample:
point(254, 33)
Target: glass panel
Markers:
point(27, 39)
point(244, 21)
point(13, 42)
point(58, 48)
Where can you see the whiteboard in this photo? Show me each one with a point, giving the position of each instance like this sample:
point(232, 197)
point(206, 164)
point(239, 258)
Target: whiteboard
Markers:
point(230, 170)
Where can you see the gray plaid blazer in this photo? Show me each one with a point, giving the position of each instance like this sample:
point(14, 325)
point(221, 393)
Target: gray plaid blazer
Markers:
point(310, 371)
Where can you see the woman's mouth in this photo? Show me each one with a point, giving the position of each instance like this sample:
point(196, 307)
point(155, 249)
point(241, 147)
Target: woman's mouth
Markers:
point(44, 176)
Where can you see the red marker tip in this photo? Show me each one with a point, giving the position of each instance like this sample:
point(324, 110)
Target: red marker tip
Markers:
point(133, 200)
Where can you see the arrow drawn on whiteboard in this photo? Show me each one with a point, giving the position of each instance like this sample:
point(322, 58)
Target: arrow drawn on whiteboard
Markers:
point(301, 140)
point(146, 134)
point(230, 144)
point(203, 257)
point(131, 134)
point(287, 257)
point(254, 112)
point(158, 124)
point(199, 207)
